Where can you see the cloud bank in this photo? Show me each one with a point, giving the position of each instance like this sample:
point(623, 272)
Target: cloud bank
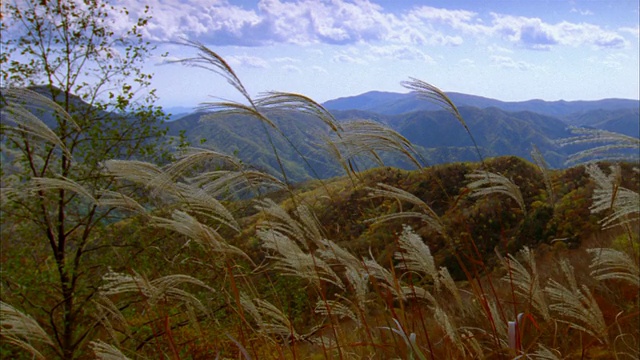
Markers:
point(357, 21)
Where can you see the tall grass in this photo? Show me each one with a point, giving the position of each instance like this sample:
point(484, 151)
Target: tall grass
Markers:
point(271, 283)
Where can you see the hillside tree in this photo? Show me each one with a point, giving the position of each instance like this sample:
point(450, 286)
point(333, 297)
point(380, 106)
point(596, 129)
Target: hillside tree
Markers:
point(74, 94)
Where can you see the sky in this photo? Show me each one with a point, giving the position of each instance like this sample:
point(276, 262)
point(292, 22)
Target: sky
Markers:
point(511, 50)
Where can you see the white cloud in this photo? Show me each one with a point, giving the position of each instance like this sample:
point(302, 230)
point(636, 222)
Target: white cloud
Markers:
point(400, 52)
point(535, 34)
point(292, 69)
point(467, 63)
point(286, 59)
point(507, 62)
point(582, 12)
point(319, 69)
point(347, 59)
point(218, 22)
point(635, 31)
point(499, 49)
point(247, 61)
point(612, 61)
point(334, 22)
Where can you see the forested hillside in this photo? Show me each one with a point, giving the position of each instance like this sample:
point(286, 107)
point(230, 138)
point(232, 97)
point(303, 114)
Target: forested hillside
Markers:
point(435, 134)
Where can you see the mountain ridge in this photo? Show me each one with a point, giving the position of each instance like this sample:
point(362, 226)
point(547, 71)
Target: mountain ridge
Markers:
point(391, 103)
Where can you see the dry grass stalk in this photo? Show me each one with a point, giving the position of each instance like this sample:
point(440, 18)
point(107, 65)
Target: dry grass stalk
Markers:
point(577, 305)
point(61, 183)
point(300, 103)
point(450, 285)
point(187, 225)
point(526, 281)
point(272, 320)
point(336, 308)
point(427, 214)
point(292, 261)
point(104, 351)
point(610, 196)
point(414, 255)
point(449, 329)
point(367, 138)
point(305, 231)
point(28, 124)
point(486, 183)
point(158, 290)
point(611, 264)
point(22, 330)
point(227, 183)
point(613, 142)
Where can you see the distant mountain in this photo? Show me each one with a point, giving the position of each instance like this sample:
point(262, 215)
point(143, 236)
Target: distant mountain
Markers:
point(398, 103)
point(177, 112)
point(437, 136)
point(499, 128)
point(624, 121)
point(443, 139)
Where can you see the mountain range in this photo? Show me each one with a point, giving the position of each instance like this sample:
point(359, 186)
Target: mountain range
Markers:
point(498, 127)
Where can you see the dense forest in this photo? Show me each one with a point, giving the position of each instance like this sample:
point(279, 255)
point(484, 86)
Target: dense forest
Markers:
point(122, 239)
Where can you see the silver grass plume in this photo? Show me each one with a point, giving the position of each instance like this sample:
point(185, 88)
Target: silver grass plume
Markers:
point(187, 225)
point(272, 320)
point(471, 344)
point(104, 351)
point(209, 60)
point(609, 195)
point(432, 93)
point(485, 183)
point(192, 198)
point(449, 329)
point(526, 280)
point(368, 138)
point(501, 326)
point(22, 330)
point(612, 142)
point(426, 214)
point(188, 159)
point(384, 278)
point(140, 172)
point(332, 252)
point(306, 230)
point(450, 285)
point(354, 271)
point(292, 261)
point(250, 307)
point(198, 201)
point(106, 312)
point(290, 101)
point(45, 184)
point(227, 183)
point(336, 308)
point(414, 255)
point(577, 305)
point(158, 290)
point(118, 200)
point(417, 292)
point(612, 264)
point(359, 282)
point(26, 123)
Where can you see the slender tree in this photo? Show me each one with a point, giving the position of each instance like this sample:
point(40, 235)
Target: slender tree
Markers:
point(74, 94)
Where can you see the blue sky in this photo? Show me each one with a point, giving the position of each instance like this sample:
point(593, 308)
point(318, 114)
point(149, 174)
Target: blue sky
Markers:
point(508, 50)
